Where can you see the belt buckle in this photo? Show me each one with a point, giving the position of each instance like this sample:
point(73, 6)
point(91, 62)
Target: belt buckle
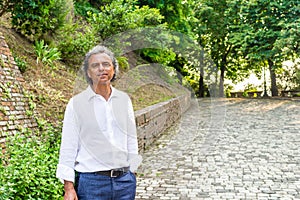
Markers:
point(112, 173)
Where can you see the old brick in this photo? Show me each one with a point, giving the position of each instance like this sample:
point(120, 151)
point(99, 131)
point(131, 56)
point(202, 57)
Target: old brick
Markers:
point(11, 127)
point(6, 103)
point(3, 123)
point(16, 104)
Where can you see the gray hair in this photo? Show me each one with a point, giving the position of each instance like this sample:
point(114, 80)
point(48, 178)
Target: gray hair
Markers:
point(99, 49)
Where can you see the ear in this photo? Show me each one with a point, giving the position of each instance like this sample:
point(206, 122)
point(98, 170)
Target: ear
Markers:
point(88, 73)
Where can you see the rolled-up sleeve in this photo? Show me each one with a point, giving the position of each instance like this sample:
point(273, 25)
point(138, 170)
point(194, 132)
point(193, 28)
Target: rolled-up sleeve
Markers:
point(69, 146)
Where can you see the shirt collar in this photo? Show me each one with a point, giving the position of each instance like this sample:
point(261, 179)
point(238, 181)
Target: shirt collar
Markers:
point(91, 94)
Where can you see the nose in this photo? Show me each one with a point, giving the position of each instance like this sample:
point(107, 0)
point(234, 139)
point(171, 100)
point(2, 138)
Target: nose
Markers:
point(101, 67)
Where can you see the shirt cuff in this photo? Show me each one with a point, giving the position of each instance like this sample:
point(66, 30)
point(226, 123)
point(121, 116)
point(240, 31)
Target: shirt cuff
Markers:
point(65, 173)
point(134, 162)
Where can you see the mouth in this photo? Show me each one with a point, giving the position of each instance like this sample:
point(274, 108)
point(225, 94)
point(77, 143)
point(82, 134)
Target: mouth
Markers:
point(103, 74)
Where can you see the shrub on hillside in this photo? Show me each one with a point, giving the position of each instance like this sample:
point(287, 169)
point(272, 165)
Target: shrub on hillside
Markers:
point(120, 16)
point(34, 18)
point(74, 41)
point(28, 166)
point(82, 7)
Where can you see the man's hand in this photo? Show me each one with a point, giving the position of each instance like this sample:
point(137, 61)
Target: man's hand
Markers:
point(70, 193)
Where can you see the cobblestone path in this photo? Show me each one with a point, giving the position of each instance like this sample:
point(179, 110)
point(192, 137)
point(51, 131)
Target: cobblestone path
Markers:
point(226, 149)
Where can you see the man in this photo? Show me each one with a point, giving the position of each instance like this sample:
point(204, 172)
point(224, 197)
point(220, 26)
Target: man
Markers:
point(99, 149)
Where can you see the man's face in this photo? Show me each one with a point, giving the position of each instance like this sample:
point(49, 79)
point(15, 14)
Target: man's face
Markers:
point(100, 69)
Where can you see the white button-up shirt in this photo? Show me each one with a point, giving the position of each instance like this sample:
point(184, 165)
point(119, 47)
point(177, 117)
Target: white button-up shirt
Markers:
point(97, 134)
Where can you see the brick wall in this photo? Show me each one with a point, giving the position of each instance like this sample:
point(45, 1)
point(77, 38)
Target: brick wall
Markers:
point(14, 106)
point(153, 120)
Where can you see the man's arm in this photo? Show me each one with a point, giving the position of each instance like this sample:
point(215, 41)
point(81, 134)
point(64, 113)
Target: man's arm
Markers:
point(70, 193)
point(68, 151)
point(132, 144)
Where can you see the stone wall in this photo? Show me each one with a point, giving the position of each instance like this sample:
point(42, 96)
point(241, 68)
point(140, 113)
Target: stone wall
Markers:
point(153, 120)
point(14, 106)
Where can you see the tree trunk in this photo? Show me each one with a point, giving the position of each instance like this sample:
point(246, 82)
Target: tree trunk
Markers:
point(274, 89)
point(201, 79)
point(221, 86)
point(222, 69)
point(201, 86)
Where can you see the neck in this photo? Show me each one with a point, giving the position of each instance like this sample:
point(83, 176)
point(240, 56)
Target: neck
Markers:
point(103, 90)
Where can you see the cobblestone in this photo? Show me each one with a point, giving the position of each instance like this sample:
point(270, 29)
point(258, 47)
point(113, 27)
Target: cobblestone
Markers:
point(226, 149)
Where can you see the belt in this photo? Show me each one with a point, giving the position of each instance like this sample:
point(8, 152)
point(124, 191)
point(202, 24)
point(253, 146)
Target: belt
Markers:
point(114, 172)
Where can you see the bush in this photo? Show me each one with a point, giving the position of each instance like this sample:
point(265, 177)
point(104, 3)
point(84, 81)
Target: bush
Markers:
point(120, 16)
point(74, 41)
point(29, 166)
point(82, 7)
point(34, 18)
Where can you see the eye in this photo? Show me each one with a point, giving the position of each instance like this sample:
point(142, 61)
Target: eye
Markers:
point(106, 64)
point(95, 65)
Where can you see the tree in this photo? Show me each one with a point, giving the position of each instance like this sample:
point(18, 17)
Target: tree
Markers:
point(214, 28)
point(177, 13)
point(178, 16)
point(263, 33)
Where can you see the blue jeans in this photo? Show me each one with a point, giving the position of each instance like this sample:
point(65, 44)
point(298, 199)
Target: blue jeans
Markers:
point(92, 186)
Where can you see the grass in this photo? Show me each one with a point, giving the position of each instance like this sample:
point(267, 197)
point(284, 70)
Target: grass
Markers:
point(150, 94)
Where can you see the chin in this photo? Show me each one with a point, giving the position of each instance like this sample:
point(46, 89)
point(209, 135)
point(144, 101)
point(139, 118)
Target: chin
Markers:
point(103, 82)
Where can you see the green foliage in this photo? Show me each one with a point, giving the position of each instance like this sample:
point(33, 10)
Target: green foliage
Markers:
point(22, 64)
point(237, 35)
point(177, 13)
point(120, 16)
point(266, 33)
point(83, 7)
point(123, 62)
point(3, 110)
point(98, 3)
point(28, 167)
point(191, 78)
point(213, 27)
point(45, 54)
point(162, 56)
point(298, 79)
point(268, 30)
point(73, 41)
point(250, 88)
point(35, 18)
point(6, 90)
point(5, 5)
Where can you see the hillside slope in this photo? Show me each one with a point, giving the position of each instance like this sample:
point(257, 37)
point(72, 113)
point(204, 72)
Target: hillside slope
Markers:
point(51, 88)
